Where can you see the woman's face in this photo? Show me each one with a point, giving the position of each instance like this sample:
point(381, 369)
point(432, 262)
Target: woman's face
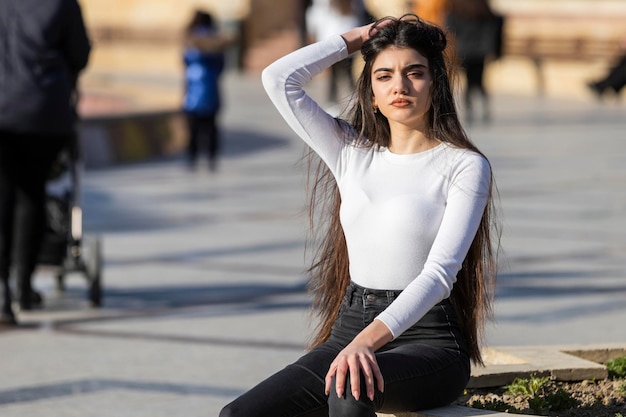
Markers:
point(401, 83)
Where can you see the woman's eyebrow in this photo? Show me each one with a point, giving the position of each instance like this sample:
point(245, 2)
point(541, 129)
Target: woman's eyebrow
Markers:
point(415, 66)
point(408, 67)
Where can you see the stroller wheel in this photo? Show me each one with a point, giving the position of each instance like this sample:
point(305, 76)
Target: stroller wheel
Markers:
point(60, 283)
point(93, 269)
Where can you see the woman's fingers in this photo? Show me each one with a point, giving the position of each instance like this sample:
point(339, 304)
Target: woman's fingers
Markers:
point(339, 370)
point(340, 377)
point(329, 377)
point(373, 376)
point(354, 365)
point(367, 366)
point(380, 381)
point(355, 380)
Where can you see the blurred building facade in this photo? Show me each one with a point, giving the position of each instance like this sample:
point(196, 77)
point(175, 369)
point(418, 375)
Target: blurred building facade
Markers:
point(271, 24)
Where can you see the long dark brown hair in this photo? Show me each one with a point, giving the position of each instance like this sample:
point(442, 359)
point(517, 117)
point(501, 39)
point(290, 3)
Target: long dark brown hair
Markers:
point(473, 292)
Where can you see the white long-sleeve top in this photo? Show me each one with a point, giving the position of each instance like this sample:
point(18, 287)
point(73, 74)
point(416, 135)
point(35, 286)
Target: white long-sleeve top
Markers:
point(408, 219)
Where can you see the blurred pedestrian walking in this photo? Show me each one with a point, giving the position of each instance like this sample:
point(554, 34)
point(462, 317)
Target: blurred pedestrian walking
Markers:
point(433, 11)
point(326, 18)
point(615, 79)
point(478, 36)
point(44, 46)
point(301, 13)
point(204, 60)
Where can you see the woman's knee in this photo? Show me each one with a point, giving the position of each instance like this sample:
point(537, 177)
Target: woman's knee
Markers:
point(347, 405)
point(235, 409)
point(228, 411)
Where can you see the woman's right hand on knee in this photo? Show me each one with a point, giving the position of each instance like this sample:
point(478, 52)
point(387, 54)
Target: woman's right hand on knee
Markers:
point(358, 357)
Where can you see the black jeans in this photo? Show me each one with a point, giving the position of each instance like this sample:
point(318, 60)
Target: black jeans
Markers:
point(474, 74)
point(427, 366)
point(25, 163)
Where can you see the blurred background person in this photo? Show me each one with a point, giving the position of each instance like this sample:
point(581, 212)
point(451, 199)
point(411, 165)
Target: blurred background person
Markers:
point(381, 8)
point(433, 11)
point(44, 46)
point(615, 79)
point(478, 36)
point(301, 13)
point(331, 17)
point(204, 60)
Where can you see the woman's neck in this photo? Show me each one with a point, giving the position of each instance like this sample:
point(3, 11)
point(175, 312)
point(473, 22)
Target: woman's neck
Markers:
point(407, 141)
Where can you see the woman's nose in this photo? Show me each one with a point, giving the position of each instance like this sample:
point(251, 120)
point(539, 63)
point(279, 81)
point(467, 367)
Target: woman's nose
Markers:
point(399, 86)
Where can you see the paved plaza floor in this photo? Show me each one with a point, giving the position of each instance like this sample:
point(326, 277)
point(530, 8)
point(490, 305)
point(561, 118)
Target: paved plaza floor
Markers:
point(204, 274)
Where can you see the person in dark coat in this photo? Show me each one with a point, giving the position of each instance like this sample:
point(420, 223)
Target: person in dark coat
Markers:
point(44, 46)
point(478, 35)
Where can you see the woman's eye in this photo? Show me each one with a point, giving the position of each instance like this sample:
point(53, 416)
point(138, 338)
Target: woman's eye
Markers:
point(383, 77)
point(417, 74)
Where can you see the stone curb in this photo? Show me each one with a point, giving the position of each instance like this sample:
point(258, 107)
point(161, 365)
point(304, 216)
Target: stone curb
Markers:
point(565, 363)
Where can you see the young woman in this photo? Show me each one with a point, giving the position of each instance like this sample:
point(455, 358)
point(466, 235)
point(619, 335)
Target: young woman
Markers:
point(404, 276)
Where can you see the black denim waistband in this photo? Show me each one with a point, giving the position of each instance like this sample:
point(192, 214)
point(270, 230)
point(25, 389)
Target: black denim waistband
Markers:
point(355, 290)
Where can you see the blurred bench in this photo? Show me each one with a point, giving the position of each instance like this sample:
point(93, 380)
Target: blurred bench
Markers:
point(575, 38)
point(540, 50)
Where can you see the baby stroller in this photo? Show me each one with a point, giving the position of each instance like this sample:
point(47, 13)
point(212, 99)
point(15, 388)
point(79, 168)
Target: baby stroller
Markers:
point(64, 245)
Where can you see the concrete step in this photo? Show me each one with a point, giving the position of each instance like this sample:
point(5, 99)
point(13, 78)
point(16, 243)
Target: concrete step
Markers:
point(451, 411)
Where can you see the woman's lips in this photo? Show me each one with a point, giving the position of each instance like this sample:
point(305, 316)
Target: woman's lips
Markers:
point(400, 102)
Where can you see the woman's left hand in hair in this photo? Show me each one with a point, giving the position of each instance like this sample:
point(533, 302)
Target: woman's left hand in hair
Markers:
point(358, 357)
point(355, 37)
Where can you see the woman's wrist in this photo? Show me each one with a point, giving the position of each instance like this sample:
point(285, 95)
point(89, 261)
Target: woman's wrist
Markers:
point(375, 335)
point(354, 38)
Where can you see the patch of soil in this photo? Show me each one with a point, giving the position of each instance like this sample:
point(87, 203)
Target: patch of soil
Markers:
point(605, 398)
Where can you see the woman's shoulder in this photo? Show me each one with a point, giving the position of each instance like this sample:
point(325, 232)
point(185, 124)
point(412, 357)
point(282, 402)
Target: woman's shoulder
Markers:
point(463, 158)
point(350, 137)
point(462, 153)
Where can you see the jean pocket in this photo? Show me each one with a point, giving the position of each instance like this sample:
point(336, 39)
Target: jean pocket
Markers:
point(345, 304)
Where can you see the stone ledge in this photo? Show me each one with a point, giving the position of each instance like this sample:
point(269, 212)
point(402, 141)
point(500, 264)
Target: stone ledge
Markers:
point(450, 411)
point(505, 363)
point(565, 363)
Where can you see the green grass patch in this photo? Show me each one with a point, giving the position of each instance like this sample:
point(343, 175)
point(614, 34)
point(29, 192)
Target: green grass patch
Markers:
point(617, 367)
